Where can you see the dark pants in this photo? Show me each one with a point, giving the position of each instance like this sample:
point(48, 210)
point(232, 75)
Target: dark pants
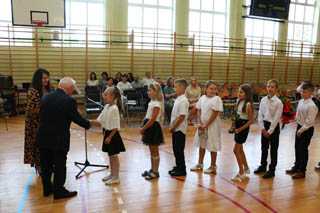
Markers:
point(301, 149)
point(53, 162)
point(168, 110)
point(273, 140)
point(178, 144)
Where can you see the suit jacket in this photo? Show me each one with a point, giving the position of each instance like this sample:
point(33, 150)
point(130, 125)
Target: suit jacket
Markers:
point(57, 110)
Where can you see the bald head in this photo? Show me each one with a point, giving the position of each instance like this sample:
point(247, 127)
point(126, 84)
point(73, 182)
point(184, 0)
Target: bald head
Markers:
point(67, 84)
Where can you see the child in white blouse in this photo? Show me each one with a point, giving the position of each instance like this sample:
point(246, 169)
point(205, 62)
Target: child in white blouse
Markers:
point(208, 134)
point(244, 108)
point(151, 131)
point(109, 119)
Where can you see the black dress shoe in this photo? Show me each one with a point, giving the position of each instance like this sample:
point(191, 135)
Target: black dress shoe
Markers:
point(179, 173)
point(292, 171)
point(173, 170)
point(47, 193)
point(260, 169)
point(64, 194)
point(268, 174)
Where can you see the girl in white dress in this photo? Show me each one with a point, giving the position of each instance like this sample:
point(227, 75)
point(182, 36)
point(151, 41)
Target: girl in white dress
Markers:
point(208, 134)
point(112, 143)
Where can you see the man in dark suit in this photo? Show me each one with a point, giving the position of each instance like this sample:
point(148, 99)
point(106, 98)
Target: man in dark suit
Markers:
point(57, 110)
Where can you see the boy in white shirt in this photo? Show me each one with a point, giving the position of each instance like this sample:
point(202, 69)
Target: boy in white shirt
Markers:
point(178, 127)
point(270, 113)
point(306, 116)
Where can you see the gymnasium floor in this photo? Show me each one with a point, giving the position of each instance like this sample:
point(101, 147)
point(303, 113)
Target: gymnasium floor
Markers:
point(21, 191)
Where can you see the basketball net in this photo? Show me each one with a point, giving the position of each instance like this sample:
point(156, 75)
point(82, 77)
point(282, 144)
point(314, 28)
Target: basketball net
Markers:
point(39, 23)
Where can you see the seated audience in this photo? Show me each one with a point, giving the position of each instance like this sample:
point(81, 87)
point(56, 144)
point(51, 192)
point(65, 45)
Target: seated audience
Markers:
point(193, 93)
point(104, 79)
point(147, 80)
point(117, 79)
point(158, 79)
point(136, 83)
point(169, 97)
point(130, 77)
point(123, 84)
point(92, 81)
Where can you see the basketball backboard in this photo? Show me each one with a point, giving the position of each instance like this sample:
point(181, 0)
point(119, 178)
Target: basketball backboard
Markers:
point(30, 12)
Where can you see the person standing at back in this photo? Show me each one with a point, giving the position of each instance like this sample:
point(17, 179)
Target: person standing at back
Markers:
point(57, 111)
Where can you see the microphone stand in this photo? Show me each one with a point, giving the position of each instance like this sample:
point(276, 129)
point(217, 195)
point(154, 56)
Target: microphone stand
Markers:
point(87, 163)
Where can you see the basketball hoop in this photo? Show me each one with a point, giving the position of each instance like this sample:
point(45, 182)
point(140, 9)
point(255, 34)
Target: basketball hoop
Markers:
point(39, 23)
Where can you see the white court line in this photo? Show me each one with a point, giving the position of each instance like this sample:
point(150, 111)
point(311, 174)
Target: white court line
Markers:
point(116, 190)
point(120, 201)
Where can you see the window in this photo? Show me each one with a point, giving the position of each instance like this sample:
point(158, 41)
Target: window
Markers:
point(81, 14)
point(208, 18)
point(152, 22)
point(19, 36)
point(260, 34)
point(300, 29)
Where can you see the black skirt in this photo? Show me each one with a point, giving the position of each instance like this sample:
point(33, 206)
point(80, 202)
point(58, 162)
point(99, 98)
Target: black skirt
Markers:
point(116, 144)
point(242, 136)
point(153, 135)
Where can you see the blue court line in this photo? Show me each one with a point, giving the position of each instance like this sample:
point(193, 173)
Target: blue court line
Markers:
point(25, 194)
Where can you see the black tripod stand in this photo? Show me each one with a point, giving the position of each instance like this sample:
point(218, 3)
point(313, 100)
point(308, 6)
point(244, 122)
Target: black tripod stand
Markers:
point(87, 163)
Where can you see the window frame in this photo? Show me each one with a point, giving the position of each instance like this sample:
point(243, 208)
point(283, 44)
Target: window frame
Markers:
point(197, 36)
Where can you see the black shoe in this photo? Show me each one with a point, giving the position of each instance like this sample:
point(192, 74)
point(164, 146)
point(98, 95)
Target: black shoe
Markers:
point(64, 194)
point(268, 174)
point(173, 170)
point(179, 173)
point(260, 169)
point(46, 193)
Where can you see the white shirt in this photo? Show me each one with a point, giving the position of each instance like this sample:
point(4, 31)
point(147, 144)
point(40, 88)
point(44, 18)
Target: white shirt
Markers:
point(151, 105)
point(123, 86)
point(180, 107)
point(306, 114)
point(92, 83)
point(147, 81)
point(243, 115)
point(109, 118)
point(270, 110)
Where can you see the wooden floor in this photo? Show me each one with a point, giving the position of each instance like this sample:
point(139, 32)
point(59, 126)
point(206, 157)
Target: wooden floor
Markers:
point(21, 191)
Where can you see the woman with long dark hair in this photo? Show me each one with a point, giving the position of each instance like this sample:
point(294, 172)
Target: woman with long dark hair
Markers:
point(92, 81)
point(40, 86)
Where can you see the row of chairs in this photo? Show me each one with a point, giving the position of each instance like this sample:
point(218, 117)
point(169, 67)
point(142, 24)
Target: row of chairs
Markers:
point(134, 101)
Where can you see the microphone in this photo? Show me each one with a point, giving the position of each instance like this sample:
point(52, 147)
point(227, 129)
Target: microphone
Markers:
point(56, 79)
point(86, 97)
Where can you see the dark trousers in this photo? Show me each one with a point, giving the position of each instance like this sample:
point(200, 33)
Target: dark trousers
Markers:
point(301, 149)
point(178, 144)
point(53, 162)
point(273, 141)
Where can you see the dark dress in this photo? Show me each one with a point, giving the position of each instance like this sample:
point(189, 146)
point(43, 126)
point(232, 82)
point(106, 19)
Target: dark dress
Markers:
point(116, 144)
point(31, 150)
point(242, 136)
